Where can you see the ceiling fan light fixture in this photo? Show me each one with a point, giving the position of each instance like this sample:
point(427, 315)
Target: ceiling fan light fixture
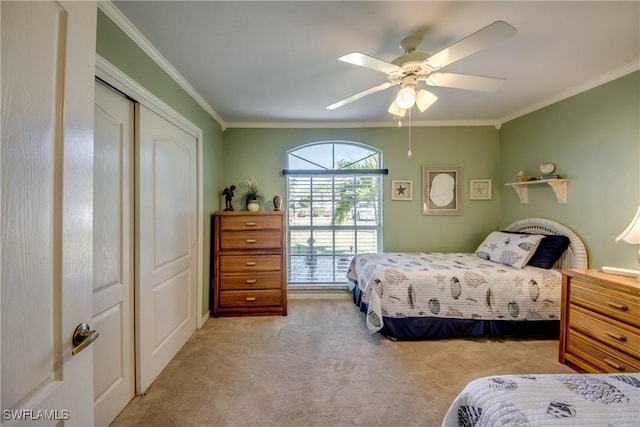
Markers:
point(406, 97)
point(395, 110)
point(424, 99)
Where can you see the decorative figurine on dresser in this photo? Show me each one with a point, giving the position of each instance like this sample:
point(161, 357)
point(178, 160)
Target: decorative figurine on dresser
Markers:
point(228, 198)
point(250, 263)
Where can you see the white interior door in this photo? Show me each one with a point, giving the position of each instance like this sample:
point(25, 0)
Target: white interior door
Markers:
point(48, 60)
point(113, 263)
point(166, 243)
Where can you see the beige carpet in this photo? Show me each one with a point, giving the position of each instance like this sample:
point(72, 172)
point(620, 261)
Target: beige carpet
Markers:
point(319, 366)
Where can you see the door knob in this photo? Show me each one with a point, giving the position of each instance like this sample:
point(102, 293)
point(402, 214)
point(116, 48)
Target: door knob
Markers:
point(82, 337)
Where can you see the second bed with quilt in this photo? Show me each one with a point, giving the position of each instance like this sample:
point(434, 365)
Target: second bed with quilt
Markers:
point(510, 286)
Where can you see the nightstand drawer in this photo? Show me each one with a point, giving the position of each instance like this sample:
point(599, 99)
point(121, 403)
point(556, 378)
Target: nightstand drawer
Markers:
point(251, 280)
point(605, 359)
point(247, 263)
point(250, 222)
point(619, 306)
point(251, 240)
point(615, 334)
point(261, 298)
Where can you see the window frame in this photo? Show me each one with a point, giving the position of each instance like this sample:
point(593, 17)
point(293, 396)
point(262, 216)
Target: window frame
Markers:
point(339, 260)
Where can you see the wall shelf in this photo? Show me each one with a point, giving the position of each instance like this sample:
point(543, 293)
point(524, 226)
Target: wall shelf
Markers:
point(559, 187)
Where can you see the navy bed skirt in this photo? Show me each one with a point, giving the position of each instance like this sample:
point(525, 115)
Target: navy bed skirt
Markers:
point(421, 328)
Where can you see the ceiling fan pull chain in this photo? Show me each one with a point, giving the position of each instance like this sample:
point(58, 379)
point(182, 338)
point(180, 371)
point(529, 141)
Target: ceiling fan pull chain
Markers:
point(409, 152)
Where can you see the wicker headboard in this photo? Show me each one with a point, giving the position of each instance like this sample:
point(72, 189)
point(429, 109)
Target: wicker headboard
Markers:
point(576, 254)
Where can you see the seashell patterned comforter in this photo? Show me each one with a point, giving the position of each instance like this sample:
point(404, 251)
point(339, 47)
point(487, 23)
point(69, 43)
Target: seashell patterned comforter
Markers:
point(452, 285)
point(548, 400)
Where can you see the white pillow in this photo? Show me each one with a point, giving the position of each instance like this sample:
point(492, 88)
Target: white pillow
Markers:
point(513, 250)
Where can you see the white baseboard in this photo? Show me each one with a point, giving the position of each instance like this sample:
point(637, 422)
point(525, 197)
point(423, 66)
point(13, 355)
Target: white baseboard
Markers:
point(203, 319)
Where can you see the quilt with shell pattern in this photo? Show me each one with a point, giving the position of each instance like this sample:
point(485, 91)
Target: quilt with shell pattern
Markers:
point(548, 400)
point(452, 285)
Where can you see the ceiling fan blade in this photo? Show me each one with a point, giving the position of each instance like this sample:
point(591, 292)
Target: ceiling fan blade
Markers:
point(464, 81)
point(367, 61)
point(359, 95)
point(473, 43)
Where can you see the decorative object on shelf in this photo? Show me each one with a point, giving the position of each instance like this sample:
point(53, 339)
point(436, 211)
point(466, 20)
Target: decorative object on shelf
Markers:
point(228, 197)
point(277, 202)
point(480, 189)
point(522, 177)
point(441, 190)
point(547, 168)
point(631, 234)
point(547, 171)
point(401, 190)
point(252, 197)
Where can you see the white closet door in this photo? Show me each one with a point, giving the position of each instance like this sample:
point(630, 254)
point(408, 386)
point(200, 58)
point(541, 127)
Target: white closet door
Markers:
point(113, 263)
point(48, 64)
point(166, 248)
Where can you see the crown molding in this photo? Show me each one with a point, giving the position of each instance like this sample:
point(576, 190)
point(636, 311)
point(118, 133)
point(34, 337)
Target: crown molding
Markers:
point(132, 32)
point(343, 125)
point(616, 74)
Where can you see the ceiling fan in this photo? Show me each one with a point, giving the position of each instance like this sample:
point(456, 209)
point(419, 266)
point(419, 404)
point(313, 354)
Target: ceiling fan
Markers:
point(414, 67)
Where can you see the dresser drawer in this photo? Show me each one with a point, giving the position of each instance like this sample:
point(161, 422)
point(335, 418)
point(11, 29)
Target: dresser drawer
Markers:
point(251, 240)
point(250, 298)
point(617, 305)
point(615, 334)
point(248, 263)
point(250, 222)
point(251, 280)
point(604, 358)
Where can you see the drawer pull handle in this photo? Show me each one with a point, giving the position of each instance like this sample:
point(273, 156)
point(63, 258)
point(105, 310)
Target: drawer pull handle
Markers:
point(250, 281)
point(615, 336)
point(250, 299)
point(251, 240)
point(618, 305)
point(614, 364)
point(250, 263)
point(250, 224)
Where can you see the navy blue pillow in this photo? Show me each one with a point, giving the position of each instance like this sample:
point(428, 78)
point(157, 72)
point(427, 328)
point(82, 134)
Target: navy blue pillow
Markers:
point(549, 250)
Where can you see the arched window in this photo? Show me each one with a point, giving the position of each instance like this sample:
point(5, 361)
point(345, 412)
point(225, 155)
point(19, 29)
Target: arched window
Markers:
point(334, 194)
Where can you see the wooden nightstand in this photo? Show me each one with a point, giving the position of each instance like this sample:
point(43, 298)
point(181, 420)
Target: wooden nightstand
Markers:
point(250, 263)
point(600, 322)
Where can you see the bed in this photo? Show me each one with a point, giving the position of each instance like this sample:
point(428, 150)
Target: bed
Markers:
point(548, 400)
point(491, 292)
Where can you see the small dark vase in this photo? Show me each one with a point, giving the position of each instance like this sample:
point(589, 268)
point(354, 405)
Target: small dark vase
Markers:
point(277, 203)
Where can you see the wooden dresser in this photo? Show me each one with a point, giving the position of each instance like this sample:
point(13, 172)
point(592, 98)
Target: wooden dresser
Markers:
point(600, 324)
point(250, 264)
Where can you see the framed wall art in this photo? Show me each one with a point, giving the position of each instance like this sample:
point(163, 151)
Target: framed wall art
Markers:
point(401, 190)
point(480, 189)
point(441, 190)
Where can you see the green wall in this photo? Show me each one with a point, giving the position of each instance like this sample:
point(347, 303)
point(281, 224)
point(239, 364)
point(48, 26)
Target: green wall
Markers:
point(261, 153)
point(593, 138)
point(116, 47)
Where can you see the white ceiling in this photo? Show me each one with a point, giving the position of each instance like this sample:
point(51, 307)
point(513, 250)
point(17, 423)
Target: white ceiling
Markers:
point(276, 63)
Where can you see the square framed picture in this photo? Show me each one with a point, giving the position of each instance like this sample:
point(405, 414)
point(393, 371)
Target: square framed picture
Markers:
point(480, 189)
point(441, 190)
point(401, 190)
